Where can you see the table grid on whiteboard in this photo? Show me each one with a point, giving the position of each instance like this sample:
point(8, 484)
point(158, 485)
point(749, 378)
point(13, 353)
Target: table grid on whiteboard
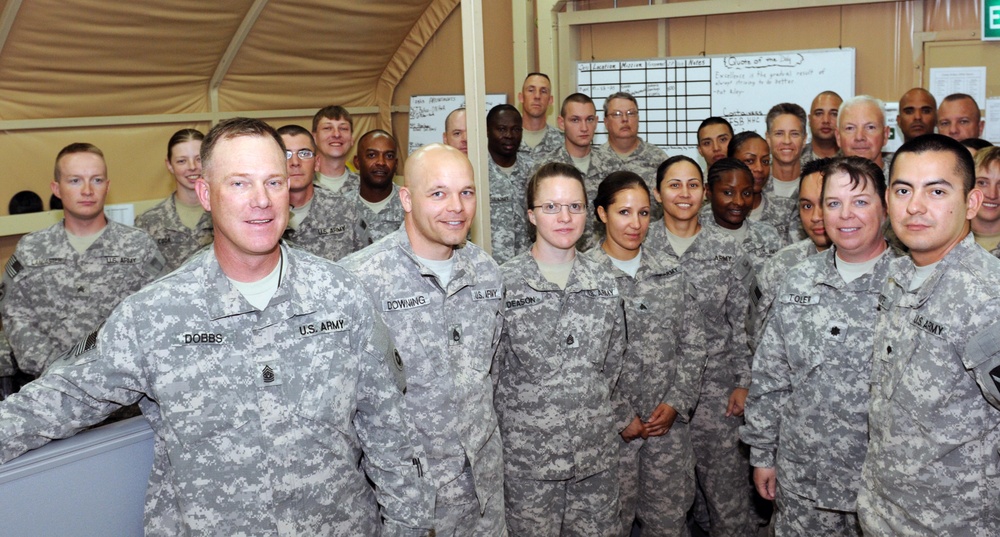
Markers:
point(674, 95)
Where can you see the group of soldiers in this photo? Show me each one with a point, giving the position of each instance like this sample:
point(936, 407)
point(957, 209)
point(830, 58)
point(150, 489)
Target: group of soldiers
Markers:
point(751, 329)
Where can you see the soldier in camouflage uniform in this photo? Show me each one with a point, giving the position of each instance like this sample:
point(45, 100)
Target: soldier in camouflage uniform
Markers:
point(822, 127)
point(378, 196)
point(263, 396)
point(624, 150)
point(179, 237)
point(720, 267)
point(321, 222)
point(986, 224)
point(333, 133)
point(932, 464)
point(766, 281)
point(63, 281)
point(440, 297)
point(661, 376)
point(559, 363)
point(509, 173)
point(539, 138)
point(786, 133)
point(578, 119)
point(807, 412)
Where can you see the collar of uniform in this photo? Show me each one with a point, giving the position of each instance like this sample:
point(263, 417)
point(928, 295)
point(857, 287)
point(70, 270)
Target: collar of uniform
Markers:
point(462, 274)
point(903, 270)
point(653, 263)
point(872, 282)
point(224, 300)
point(585, 275)
point(111, 237)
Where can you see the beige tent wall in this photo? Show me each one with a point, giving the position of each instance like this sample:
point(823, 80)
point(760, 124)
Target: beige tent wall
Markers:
point(438, 69)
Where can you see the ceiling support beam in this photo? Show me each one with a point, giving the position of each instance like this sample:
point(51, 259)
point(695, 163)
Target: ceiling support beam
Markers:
point(7, 20)
point(234, 48)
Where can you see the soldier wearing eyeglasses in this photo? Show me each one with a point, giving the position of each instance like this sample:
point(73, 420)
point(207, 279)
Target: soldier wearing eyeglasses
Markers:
point(624, 150)
point(321, 222)
point(378, 196)
point(578, 120)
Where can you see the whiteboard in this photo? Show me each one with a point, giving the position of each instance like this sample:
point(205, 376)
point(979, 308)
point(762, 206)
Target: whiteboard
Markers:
point(428, 112)
point(676, 94)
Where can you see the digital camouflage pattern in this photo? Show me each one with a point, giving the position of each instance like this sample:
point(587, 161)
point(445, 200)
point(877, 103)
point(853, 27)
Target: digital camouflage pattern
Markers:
point(265, 422)
point(643, 161)
point(932, 465)
point(351, 186)
point(448, 337)
point(559, 364)
point(593, 234)
point(663, 365)
point(510, 231)
point(552, 140)
point(766, 282)
point(176, 241)
point(574, 507)
point(783, 214)
point(332, 229)
point(807, 411)
point(53, 296)
point(384, 222)
point(721, 269)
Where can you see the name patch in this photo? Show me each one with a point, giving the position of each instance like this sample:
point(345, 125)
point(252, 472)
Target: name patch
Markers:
point(335, 230)
point(928, 326)
point(673, 271)
point(521, 302)
point(165, 240)
point(486, 294)
point(335, 325)
point(802, 300)
point(405, 303)
point(601, 293)
point(726, 258)
point(116, 260)
point(202, 338)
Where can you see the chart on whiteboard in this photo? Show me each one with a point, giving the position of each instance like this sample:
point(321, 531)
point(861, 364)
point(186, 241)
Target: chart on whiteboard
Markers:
point(674, 95)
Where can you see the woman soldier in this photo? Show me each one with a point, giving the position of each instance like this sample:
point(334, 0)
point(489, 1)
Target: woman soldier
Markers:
point(560, 358)
point(179, 224)
point(663, 365)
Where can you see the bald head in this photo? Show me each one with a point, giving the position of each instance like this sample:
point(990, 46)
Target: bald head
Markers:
point(439, 198)
point(917, 113)
point(455, 130)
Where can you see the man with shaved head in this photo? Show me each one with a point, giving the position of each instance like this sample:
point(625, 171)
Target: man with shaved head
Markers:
point(959, 117)
point(456, 130)
point(378, 196)
point(440, 295)
point(917, 113)
point(823, 127)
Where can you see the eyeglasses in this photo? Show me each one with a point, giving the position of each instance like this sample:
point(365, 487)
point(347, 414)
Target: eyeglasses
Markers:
point(556, 208)
point(304, 154)
point(628, 114)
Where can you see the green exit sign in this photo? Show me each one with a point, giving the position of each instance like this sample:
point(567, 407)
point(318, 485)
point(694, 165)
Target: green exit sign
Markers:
point(991, 20)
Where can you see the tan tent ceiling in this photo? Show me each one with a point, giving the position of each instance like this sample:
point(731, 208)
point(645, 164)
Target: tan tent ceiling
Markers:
point(82, 58)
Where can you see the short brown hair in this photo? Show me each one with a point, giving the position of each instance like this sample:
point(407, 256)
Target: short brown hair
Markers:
point(235, 128)
point(333, 112)
point(76, 147)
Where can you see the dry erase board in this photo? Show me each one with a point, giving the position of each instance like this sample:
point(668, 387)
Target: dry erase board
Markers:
point(676, 94)
point(428, 112)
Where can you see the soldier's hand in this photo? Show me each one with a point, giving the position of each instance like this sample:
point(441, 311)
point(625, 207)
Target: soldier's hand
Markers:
point(736, 401)
point(661, 420)
point(634, 430)
point(766, 481)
